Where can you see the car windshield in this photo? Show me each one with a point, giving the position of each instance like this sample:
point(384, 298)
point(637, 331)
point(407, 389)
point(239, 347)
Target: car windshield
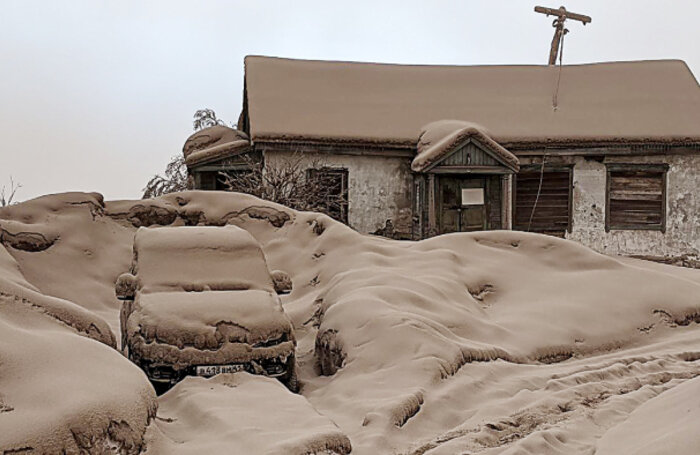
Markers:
point(199, 258)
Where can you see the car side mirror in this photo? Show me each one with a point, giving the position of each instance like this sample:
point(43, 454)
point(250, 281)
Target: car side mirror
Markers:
point(282, 282)
point(125, 288)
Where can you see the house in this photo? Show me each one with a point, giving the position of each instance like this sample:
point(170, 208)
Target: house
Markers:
point(606, 153)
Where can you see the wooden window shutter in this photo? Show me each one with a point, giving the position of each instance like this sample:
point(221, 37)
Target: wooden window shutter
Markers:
point(551, 214)
point(636, 197)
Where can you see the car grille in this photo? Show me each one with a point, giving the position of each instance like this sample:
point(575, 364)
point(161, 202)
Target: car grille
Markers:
point(271, 342)
point(274, 367)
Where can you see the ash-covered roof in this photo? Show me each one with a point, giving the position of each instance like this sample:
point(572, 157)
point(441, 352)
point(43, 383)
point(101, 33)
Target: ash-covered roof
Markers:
point(645, 101)
point(212, 143)
point(440, 139)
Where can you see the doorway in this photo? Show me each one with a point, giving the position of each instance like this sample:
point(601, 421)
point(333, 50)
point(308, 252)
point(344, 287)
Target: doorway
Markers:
point(463, 204)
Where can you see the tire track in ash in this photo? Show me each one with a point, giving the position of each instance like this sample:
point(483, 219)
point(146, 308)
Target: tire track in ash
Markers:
point(568, 405)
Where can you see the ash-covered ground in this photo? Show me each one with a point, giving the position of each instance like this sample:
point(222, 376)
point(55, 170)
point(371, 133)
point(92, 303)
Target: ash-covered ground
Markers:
point(483, 343)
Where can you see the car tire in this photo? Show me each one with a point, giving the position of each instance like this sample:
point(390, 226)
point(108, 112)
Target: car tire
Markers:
point(161, 387)
point(291, 380)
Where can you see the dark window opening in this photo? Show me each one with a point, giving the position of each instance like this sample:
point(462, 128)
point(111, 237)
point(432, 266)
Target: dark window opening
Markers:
point(548, 212)
point(212, 180)
point(331, 186)
point(636, 197)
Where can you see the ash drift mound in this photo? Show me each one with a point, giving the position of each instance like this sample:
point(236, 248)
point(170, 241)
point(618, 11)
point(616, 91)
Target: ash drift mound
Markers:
point(63, 387)
point(496, 342)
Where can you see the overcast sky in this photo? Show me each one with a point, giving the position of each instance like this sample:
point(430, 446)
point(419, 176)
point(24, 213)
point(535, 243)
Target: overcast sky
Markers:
point(98, 95)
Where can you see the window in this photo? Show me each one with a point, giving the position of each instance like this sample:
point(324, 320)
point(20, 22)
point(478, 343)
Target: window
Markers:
point(636, 197)
point(210, 180)
point(332, 191)
point(214, 180)
point(542, 200)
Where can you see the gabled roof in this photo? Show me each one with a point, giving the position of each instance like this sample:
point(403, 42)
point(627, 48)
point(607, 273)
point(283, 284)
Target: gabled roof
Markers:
point(438, 140)
point(646, 101)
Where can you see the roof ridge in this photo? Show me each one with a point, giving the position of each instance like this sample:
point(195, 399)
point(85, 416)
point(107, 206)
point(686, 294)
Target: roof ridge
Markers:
point(458, 65)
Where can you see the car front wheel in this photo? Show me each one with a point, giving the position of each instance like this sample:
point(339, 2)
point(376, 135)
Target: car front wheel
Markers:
point(290, 379)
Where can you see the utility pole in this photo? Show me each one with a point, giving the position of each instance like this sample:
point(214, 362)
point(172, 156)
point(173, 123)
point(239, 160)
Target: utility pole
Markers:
point(559, 31)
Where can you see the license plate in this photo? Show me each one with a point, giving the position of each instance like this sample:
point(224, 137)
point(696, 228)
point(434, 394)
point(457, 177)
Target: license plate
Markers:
point(212, 370)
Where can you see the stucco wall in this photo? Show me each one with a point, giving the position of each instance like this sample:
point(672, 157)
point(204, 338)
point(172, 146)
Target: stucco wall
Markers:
point(682, 236)
point(380, 188)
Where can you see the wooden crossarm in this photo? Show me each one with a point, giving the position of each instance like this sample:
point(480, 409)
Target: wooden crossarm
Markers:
point(562, 13)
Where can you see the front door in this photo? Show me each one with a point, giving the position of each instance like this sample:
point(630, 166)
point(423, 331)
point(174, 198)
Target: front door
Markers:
point(462, 204)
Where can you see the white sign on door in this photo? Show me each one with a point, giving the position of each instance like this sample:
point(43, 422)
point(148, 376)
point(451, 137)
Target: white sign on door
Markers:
point(472, 196)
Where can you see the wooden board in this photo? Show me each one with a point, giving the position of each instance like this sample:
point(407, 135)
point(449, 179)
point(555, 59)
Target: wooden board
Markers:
point(636, 199)
point(552, 207)
point(470, 155)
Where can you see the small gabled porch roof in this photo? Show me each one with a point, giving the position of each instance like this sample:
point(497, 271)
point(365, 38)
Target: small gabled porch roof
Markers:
point(440, 140)
point(214, 143)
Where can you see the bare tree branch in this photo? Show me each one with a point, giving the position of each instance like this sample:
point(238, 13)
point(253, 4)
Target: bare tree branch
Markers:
point(293, 182)
point(175, 179)
point(7, 197)
point(204, 118)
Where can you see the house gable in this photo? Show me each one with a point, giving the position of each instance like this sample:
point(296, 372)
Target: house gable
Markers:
point(471, 156)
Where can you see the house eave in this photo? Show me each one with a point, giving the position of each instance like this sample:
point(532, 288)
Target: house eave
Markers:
point(518, 147)
point(339, 146)
point(600, 146)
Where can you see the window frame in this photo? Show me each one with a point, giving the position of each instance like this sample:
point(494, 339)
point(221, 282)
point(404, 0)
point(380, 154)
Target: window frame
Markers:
point(625, 167)
point(344, 173)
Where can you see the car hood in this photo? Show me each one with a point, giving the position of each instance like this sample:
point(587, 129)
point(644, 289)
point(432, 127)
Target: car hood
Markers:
point(207, 320)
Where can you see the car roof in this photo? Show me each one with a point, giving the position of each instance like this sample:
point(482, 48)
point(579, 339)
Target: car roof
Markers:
point(199, 257)
point(168, 237)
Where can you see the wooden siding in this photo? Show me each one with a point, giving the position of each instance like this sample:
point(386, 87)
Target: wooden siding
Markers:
point(636, 198)
point(420, 203)
point(470, 155)
point(493, 195)
point(552, 214)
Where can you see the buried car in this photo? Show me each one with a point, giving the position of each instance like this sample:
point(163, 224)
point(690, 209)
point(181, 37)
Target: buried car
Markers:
point(202, 301)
